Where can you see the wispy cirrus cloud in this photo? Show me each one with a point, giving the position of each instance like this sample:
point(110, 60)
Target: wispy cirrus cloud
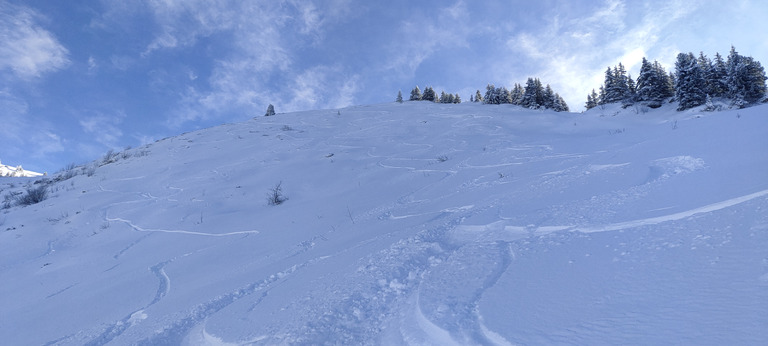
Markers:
point(105, 128)
point(27, 49)
point(28, 52)
point(255, 63)
point(420, 37)
point(308, 90)
point(573, 53)
point(23, 136)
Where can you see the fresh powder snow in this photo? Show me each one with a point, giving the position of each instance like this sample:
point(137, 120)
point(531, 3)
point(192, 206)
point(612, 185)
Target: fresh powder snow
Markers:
point(413, 224)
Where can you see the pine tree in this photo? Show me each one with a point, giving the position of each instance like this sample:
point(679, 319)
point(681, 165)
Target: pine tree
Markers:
point(532, 94)
point(478, 97)
point(735, 85)
point(645, 81)
point(548, 98)
point(539, 92)
point(718, 77)
point(705, 65)
point(490, 89)
point(602, 98)
point(591, 100)
point(456, 98)
point(415, 94)
point(399, 97)
point(559, 104)
point(608, 85)
point(671, 83)
point(516, 95)
point(652, 84)
point(622, 84)
point(746, 79)
point(495, 96)
point(270, 110)
point(631, 91)
point(429, 95)
point(504, 96)
point(616, 85)
point(689, 90)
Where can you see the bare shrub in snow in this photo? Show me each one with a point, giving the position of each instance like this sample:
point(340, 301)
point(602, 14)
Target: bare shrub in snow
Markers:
point(109, 157)
point(9, 199)
point(275, 195)
point(33, 196)
point(69, 171)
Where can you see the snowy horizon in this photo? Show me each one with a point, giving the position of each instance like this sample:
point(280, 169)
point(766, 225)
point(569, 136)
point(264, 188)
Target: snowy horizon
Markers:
point(81, 77)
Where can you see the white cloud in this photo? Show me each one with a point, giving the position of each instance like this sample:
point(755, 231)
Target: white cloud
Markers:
point(92, 64)
point(164, 40)
point(421, 36)
point(313, 19)
point(104, 128)
point(12, 113)
point(347, 93)
point(26, 48)
point(258, 64)
point(310, 90)
point(122, 62)
point(572, 53)
point(23, 136)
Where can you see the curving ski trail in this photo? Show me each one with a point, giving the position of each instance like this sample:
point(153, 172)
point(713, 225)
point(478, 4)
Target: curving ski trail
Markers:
point(141, 229)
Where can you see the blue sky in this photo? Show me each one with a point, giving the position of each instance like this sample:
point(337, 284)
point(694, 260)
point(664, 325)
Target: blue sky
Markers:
point(78, 78)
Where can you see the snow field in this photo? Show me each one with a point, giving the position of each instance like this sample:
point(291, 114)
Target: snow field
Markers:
point(413, 223)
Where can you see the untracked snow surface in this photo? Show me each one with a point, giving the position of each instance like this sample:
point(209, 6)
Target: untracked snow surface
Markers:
point(415, 223)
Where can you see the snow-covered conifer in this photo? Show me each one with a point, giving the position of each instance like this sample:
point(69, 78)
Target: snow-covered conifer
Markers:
point(270, 110)
point(429, 95)
point(705, 65)
point(490, 94)
point(690, 86)
point(652, 82)
point(516, 95)
point(559, 104)
point(591, 100)
point(532, 94)
point(746, 79)
point(718, 77)
point(548, 98)
point(631, 91)
point(415, 94)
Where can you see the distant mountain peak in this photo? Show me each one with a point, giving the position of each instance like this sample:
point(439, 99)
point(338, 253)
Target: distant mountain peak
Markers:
point(18, 171)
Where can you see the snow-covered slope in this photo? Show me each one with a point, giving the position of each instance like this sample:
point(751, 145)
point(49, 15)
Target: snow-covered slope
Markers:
point(18, 171)
point(413, 223)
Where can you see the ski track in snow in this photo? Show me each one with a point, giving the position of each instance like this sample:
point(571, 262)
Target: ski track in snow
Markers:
point(193, 321)
point(674, 217)
point(540, 230)
point(140, 229)
point(476, 242)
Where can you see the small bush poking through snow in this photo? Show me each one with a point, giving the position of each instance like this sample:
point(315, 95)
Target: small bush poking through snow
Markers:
point(109, 157)
point(33, 196)
point(275, 195)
